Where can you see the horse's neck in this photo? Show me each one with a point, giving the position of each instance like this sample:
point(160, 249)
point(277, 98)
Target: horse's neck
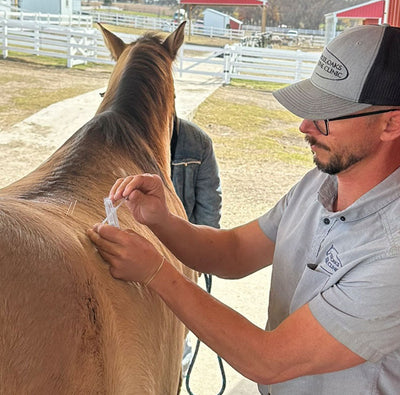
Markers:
point(139, 133)
point(85, 170)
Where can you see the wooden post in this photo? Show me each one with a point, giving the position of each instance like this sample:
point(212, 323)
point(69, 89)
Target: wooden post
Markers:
point(264, 16)
point(189, 8)
point(5, 39)
point(386, 12)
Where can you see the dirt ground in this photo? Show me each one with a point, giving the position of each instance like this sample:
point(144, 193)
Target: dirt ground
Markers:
point(249, 186)
point(28, 87)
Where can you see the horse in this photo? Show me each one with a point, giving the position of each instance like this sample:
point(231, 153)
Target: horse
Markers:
point(67, 326)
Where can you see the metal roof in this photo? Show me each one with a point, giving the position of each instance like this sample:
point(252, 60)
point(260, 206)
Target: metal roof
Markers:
point(373, 9)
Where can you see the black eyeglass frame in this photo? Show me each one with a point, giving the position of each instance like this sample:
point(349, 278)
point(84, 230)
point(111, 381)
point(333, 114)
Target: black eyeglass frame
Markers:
point(364, 114)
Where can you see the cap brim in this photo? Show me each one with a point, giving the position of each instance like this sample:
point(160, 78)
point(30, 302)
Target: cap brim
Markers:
point(309, 102)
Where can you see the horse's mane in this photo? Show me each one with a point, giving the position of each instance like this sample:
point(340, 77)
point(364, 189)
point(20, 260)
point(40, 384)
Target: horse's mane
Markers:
point(145, 87)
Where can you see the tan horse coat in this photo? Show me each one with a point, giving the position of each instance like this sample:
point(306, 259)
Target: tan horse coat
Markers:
point(66, 326)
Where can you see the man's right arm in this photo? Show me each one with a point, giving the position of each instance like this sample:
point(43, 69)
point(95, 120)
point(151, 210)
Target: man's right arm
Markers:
point(230, 253)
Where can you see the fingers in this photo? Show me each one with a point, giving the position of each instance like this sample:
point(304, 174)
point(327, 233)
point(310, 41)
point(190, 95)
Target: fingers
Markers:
point(117, 189)
point(131, 256)
point(107, 251)
point(124, 187)
point(104, 237)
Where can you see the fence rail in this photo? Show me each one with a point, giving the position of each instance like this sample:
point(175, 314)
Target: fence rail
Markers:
point(75, 20)
point(164, 24)
point(272, 65)
point(77, 46)
point(83, 45)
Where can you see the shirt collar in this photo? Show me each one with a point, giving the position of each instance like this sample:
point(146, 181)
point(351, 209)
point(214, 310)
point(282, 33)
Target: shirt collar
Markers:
point(374, 200)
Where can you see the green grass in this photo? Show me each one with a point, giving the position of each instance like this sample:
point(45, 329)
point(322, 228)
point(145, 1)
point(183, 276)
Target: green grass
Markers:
point(14, 77)
point(247, 117)
point(135, 13)
point(259, 85)
point(34, 100)
point(43, 60)
point(53, 62)
point(252, 131)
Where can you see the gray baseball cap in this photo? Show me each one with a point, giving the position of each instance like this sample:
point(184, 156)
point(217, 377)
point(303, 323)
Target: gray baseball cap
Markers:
point(358, 69)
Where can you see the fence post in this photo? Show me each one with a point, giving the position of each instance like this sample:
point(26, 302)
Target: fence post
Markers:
point(36, 39)
point(227, 64)
point(5, 40)
point(181, 61)
point(299, 64)
point(70, 50)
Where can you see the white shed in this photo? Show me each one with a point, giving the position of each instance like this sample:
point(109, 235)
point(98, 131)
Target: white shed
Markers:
point(219, 20)
point(63, 7)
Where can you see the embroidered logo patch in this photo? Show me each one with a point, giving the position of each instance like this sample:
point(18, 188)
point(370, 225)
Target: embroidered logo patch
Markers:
point(330, 67)
point(332, 260)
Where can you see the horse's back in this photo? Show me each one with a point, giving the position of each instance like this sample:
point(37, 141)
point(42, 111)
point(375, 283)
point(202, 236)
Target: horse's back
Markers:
point(66, 326)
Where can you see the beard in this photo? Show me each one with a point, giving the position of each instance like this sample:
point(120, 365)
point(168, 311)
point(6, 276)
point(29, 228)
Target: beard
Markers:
point(337, 162)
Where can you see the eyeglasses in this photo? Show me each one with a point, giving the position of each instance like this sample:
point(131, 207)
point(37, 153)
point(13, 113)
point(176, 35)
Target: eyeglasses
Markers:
point(323, 124)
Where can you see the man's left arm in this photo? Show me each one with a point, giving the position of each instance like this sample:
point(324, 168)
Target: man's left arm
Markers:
point(299, 346)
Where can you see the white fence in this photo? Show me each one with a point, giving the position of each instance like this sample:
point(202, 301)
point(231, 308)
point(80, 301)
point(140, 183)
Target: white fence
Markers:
point(86, 45)
point(50, 19)
point(263, 64)
point(77, 46)
point(167, 25)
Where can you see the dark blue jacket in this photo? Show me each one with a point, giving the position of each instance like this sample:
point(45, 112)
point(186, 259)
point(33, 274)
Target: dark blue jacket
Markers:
point(195, 173)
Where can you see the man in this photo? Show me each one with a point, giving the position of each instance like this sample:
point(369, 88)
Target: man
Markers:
point(334, 239)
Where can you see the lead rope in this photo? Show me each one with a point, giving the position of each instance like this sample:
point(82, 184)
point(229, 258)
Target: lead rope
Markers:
point(208, 280)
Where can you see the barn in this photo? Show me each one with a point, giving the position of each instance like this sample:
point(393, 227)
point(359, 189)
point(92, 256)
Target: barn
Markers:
point(371, 12)
point(189, 4)
point(63, 7)
point(213, 18)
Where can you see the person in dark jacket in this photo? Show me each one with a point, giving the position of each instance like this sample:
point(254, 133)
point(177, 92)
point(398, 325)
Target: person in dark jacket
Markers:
point(195, 173)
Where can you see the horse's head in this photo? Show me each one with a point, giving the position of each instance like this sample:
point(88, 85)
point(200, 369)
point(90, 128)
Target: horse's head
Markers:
point(142, 73)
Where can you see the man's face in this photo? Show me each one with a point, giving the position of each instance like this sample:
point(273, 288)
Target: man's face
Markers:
point(350, 142)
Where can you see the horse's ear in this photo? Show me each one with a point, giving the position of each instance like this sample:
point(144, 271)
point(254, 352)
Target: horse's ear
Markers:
point(174, 41)
point(115, 45)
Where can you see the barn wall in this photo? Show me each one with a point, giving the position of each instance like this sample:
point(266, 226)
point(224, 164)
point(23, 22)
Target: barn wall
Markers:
point(394, 13)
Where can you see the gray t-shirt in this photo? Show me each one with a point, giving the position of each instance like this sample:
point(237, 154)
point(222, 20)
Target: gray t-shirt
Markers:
point(346, 265)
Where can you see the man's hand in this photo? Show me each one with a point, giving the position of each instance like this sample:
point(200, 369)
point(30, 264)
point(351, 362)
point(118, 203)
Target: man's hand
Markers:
point(131, 256)
point(145, 197)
